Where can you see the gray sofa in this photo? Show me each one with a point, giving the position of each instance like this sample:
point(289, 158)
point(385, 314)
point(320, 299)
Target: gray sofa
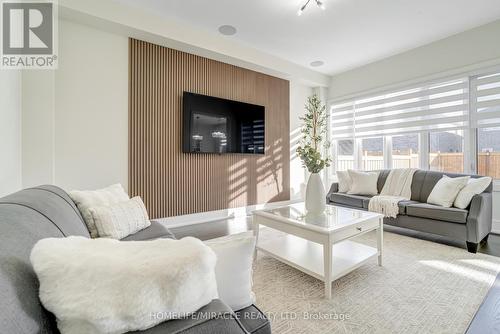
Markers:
point(471, 225)
point(47, 211)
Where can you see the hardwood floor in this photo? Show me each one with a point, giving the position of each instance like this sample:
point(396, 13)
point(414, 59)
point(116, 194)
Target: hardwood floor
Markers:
point(487, 318)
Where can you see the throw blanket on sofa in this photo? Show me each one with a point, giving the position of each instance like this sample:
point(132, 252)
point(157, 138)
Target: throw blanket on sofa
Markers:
point(397, 188)
point(110, 286)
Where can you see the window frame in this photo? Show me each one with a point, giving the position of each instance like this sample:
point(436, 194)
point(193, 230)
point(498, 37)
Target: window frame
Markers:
point(384, 152)
point(470, 146)
point(464, 151)
point(476, 161)
point(419, 145)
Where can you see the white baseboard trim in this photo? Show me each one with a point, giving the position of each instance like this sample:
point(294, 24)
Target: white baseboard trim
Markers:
point(211, 216)
point(496, 226)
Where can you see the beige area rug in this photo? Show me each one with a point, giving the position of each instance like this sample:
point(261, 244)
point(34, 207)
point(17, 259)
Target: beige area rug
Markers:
point(423, 287)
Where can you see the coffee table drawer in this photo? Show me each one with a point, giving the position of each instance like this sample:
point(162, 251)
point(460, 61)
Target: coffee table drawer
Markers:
point(354, 230)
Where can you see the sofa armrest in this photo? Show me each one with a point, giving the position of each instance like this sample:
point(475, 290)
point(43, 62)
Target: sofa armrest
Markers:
point(334, 188)
point(215, 317)
point(480, 217)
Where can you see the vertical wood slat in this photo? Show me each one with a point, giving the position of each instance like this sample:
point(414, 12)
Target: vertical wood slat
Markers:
point(173, 183)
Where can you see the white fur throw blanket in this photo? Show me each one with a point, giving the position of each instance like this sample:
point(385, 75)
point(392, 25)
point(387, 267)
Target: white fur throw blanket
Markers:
point(397, 188)
point(110, 286)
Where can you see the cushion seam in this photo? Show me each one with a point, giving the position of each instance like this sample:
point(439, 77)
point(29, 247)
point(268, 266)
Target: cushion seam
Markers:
point(207, 320)
point(75, 210)
point(260, 327)
point(420, 189)
point(29, 207)
point(265, 323)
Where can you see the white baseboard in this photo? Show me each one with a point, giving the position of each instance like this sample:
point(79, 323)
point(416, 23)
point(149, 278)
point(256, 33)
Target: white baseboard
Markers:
point(211, 216)
point(496, 226)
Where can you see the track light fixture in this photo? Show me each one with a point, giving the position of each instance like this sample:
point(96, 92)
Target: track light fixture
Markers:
point(319, 3)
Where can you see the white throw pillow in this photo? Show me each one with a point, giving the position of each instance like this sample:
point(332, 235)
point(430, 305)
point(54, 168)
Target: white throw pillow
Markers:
point(344, 181)
point(363, 183)
point(121, 219)
point(446, 190)
point(87, 199)
point(233, 270)
point(109, 286)
point(473, 187)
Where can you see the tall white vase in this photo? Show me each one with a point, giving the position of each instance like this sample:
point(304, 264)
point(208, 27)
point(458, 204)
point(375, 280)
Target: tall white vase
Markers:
point(315, 195)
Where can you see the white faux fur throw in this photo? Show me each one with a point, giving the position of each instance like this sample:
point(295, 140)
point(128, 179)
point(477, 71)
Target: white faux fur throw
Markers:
point(397, 188)
point(110, 286)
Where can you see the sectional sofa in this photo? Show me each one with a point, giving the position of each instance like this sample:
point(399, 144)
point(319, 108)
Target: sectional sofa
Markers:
point(471, 225)
point(47, 212)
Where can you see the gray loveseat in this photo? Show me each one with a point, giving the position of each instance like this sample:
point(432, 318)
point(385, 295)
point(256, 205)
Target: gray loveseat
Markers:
point(471, 225)
point(47, 211)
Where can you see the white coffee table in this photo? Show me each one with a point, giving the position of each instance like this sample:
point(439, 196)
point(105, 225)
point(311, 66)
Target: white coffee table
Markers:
point(319, 245)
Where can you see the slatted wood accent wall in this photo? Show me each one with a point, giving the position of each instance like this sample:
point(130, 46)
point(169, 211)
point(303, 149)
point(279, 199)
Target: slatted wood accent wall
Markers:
point(174, 183)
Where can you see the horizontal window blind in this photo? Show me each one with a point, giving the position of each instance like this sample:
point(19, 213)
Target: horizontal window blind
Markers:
point(485, 100)
point(438, 106)
point(342, 120)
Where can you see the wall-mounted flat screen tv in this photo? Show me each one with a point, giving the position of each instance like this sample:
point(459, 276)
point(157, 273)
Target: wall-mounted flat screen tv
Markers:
point(215, 125)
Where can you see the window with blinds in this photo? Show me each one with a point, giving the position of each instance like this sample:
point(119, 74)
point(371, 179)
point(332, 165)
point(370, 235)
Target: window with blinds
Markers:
point(437, 106)
point(485, 117)
point(485, 98)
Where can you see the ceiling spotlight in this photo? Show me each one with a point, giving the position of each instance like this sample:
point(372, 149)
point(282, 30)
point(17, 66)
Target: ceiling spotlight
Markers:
point(319, 3)
point(227, 30)
point(317, 63)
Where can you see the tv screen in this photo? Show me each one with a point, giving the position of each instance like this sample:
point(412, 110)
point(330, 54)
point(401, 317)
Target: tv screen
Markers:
point(215, 125)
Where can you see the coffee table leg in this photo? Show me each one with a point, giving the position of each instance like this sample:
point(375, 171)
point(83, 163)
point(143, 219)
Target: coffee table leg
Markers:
point(327, 258)
point(256, 229)
point(380, 240)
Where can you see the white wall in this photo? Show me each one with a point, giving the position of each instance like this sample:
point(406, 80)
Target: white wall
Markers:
point(298, 96)
point(75, 119)
point(453, 53)
point(38, 127)
point(10, 131)
point(91, 119)
point(468, 50)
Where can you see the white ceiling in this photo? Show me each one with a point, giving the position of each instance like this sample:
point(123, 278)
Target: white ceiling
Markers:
point(348, 34)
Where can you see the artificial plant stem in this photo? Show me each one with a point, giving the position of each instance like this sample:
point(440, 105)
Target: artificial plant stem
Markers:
point(315, 126)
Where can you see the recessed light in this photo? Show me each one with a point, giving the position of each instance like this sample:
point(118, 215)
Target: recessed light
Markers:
point(317, 63)
point(227, 30)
